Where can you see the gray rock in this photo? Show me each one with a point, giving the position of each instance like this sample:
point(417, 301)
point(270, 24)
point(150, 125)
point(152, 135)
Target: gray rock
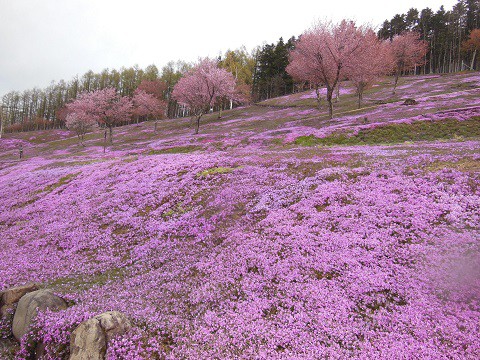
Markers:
point(89, 340)
point(28, 307)
point(13, 295)
point(113, 323)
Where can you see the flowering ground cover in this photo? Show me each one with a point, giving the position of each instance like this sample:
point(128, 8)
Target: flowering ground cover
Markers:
point(246, 242)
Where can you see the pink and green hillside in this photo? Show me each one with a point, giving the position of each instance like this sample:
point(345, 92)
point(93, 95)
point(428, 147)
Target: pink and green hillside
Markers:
point(275, 233)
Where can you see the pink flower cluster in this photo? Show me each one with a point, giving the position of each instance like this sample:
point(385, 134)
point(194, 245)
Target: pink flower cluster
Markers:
point(277, 257)
point(225, 246)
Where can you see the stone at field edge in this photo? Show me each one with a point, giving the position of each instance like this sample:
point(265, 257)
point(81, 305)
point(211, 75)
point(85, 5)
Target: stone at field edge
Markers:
point(90, 339)
point(28, 307)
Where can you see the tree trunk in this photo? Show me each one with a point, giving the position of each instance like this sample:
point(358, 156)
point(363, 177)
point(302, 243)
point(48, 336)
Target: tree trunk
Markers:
point(319, 99)
point(397, 75)
point(155, 126)
point(104, 140)
point(361, 86)
point(472, 64)
point(111, 134)
point(330, 104)
point(197, 127)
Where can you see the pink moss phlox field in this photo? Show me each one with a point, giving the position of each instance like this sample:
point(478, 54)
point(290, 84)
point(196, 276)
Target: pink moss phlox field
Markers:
point(342, 262)
point(12, 144)
point(229, 245)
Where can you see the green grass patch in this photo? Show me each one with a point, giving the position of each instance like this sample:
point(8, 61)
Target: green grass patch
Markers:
point(465, 165)
point(215, 170)
point(177, 210)
point(399, 133)
point(175, 150)
point(82, 282)
point(62, 181)
point(277, 141)
point(60, 164)
point(130, 159)
point(73, 140)
point(26, 203)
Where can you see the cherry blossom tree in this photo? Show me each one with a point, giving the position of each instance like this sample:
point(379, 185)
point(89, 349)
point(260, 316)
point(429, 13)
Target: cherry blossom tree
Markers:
point(156, 88)
point(61, 115)
point(81, 123)
point(373, 62)
point(105, 107)
point(408, 52)
point(81, 114)
point(202, 86)
point(302, 70)
point(323, 54)
point(145, 104)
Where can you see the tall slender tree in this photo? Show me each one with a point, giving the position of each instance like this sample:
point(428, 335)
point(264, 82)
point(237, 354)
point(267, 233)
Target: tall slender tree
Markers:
point(472, 46)
point(80, 122)
point(202, 86)
point(326, 51)
point(408, 51)
point(301, 69)
point(145, 105)
point(105, 106)
point(270, 76)
point(370, 64)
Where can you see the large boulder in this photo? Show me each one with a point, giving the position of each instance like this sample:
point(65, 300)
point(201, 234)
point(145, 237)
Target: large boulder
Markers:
point(9, 297)
point(114, 323)
point(89, 340)
point(28, 307)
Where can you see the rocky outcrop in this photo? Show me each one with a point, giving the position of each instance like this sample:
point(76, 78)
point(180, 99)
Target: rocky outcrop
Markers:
point(28, 307)
point(89, 340)
point(9, 297)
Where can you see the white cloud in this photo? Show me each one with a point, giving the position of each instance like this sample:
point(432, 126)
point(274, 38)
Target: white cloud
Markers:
point(45, 40)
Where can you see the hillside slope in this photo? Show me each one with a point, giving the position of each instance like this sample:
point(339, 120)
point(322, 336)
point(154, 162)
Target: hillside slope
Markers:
point(274, 233)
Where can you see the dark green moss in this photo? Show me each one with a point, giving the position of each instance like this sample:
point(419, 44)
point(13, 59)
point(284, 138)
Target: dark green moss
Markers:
point(175, 150)
point(398, 133)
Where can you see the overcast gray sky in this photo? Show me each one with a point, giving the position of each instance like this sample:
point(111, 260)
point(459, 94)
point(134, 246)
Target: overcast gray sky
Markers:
point(45, 40)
